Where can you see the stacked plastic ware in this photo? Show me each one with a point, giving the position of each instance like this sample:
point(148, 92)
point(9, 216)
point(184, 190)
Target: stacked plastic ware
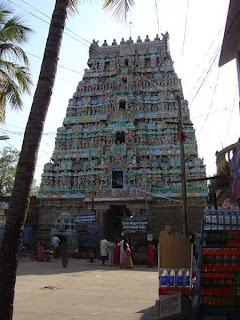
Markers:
point(219, 288)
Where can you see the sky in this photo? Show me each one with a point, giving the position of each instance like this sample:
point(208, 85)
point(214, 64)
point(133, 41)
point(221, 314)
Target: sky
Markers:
point(196, 31)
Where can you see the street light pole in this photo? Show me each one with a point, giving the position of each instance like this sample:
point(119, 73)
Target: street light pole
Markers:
point(183, 173)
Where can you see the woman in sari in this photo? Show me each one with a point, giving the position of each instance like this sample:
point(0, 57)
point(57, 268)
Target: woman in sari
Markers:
point(150, 255)
point(116, 252)
point(40, 256)
point(126, 259)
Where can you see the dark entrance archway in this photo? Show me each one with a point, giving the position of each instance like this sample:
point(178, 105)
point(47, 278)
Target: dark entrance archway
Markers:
point(112, 227)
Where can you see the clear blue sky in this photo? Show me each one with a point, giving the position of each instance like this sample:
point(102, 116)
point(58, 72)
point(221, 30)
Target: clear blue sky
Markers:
point(209, 90)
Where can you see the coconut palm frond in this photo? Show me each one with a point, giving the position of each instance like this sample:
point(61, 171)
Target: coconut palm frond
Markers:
point(14, 52)
point(14, 30)
point(18, 73)
point(72, 6)
point(24, 79)
point(120, 7)
point(10, 93)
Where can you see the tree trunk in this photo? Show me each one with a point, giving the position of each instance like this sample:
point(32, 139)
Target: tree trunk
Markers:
point(27, 162)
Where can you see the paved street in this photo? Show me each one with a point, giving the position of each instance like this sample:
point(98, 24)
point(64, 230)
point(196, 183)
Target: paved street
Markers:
point(83, 291)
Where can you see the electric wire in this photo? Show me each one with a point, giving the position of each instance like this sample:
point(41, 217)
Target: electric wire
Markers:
point(201, 60)
point(213, 95)
point(85, 39)
point(44, 14)
point(203, 115)
point(21, 134)
point(48, 23)
point(204, 72)
point(206, 76)
point(185, 28)
point(59, 65)
point(229, 122)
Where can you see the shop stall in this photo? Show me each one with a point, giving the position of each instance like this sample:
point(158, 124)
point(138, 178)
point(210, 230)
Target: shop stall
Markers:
point(219, 272)
point(175, 276)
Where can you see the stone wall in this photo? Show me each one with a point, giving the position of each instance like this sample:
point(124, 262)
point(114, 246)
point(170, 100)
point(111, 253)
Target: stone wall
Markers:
point(161, 212)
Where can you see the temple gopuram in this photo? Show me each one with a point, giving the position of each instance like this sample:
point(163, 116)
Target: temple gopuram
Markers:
point(117, 153)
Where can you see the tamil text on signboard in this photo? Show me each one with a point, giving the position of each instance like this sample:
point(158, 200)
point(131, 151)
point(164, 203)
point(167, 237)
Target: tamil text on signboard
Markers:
point(84, 218)
point(135, 225)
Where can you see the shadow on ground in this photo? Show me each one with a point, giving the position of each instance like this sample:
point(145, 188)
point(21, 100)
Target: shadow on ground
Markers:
point(148, 313)
point(29, 267)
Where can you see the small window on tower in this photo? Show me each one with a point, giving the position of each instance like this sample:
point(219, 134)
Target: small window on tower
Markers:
point(126, 62)
point(122, 105)
point(124, 80)
point(117, 178)
point(120, 137)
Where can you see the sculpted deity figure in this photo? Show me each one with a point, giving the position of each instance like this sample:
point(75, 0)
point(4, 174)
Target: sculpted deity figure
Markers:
point(153, 60)
point(141, 62)
point(101, 64)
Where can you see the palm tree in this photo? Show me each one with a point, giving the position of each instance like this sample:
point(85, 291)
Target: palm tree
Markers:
point(14, 78)
point(27, 162)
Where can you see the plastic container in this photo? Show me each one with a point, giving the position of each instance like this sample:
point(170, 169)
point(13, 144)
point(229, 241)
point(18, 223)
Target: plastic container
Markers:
point(171, 278)
point(220, 219)
point(179, 278)
point(214, 218)
point(164, 277)
point(227, 219)
point(186, 278)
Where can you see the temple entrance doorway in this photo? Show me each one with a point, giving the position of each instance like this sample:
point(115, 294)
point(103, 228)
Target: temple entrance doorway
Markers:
point(112, 226)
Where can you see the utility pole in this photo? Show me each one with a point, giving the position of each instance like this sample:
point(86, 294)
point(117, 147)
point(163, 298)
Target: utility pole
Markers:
point(181, 134)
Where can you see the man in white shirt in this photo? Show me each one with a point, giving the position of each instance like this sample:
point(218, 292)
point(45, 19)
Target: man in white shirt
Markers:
point(121, 245)
point(103, 250)
point(55, 242)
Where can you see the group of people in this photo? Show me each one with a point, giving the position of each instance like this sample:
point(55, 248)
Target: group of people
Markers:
point(116, 253)
point(56, 247)
point(119, 253)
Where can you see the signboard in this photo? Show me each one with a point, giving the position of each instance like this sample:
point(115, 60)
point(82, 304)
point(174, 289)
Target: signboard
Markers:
point(135, 225)
point(174, 306)
point(84, 218)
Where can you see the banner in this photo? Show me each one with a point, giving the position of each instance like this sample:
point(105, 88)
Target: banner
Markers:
point(85, 218)
point(135, 225)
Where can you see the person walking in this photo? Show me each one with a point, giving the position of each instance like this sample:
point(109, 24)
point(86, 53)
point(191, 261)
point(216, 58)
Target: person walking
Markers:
point(110, 252)
point(103, 250)
point(126, 257)
point(40, 255)
point(65, 253)
point(121, 245)
point(150, 255)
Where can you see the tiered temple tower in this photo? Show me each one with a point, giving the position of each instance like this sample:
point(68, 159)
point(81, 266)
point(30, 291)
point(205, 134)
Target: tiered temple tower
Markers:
point(119, 140)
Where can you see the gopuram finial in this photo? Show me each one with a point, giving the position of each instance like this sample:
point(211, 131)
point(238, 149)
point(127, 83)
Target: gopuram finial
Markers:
point(93, 45)
point(114, 42)
point(105, 43)
point(122, 41)
point(157, 37)
point(139, 39)
point(147, 38)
